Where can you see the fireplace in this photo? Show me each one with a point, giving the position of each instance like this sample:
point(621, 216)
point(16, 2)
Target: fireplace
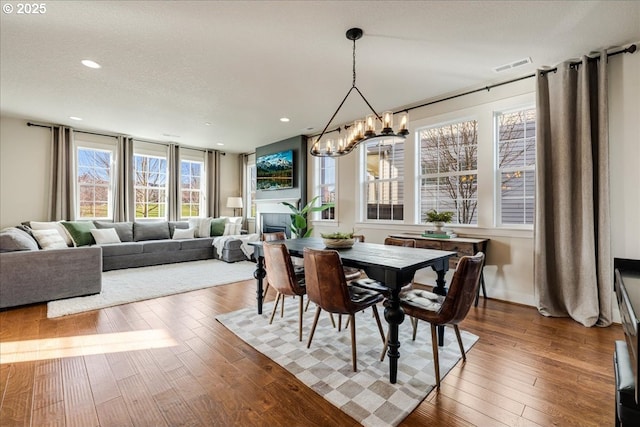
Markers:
point(272, 216)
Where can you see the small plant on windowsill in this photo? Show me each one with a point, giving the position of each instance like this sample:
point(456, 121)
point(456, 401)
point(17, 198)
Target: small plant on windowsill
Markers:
point(438, 219)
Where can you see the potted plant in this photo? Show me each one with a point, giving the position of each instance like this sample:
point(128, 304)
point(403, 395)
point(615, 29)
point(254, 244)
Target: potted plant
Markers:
point(438, 219)
point(299, 216)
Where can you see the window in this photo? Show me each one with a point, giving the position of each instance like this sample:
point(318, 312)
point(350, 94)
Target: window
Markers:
point(191, 188)
point(516, 152)
point(250, 182)
point(384, 180)
point(150, 186)
point(94, 181)
point(326, 185)
point(449, 170)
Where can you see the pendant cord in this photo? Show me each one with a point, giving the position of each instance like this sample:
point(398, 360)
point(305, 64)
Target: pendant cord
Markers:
point(354, 64)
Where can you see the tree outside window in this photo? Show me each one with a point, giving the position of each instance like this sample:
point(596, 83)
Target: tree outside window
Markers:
point(516, 143)
point(449, 170)
point(94, 182)
point(150, 186)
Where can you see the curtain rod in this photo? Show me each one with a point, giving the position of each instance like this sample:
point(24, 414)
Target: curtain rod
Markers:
point(136, 139)
point(631, 49)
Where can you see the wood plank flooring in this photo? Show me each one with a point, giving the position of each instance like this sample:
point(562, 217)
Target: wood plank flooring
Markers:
point(113, 367)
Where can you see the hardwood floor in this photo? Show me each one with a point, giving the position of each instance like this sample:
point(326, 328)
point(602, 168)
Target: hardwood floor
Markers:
point(168, 362)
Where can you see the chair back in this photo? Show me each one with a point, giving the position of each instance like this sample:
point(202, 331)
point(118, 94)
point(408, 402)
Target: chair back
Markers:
point(280, 270)
point(270, 237)
point(358, 237)
point(324, 278)
point(463, 290)
point(407, 243)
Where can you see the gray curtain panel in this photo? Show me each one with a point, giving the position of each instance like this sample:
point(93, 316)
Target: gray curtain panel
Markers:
point(173, 196)
point(212, 168)
point(124, 200)
point(61, 176)
point(572, 261)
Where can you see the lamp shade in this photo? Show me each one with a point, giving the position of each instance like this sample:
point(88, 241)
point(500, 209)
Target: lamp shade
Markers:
point(234, 202)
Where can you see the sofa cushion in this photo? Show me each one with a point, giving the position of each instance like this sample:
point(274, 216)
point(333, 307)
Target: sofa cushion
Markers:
point(12, 239)
point(156, 246)
point(200, 243)
point(52, 225)
point(80, 232)
point(105, 236)
point(150, 231)
point(183, 233)
point(126, 248)
point(173, 225)
point(49, 239)
point(202, 226)
point(217, 226)
point(124, 229)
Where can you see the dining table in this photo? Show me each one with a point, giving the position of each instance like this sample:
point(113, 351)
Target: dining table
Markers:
point(392, 266)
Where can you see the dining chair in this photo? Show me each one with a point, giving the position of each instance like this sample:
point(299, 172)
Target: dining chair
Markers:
point(270, 237)
point(450, 310)
point(328, 289)
point(283, 279)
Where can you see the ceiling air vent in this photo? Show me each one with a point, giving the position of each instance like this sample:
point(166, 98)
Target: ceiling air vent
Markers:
point(514, 64)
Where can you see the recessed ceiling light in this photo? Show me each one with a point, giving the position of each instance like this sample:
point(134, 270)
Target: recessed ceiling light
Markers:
point(284, 119)
point(207, 124)
point(220, 143)
point(91, 64)
point(75, 118)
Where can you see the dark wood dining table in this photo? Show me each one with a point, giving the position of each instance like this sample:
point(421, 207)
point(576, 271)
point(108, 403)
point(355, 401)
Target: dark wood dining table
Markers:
point(392, 266)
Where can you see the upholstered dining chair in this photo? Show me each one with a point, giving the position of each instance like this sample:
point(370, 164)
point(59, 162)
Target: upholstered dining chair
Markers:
point(328, 289)
point(270, 237)
point(283, 278)
point(449, 310)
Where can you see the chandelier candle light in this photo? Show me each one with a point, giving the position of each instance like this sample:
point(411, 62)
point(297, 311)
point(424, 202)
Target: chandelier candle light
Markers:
point(360, 130)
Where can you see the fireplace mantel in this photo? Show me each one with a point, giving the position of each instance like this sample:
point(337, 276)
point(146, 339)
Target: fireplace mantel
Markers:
point(272, 206)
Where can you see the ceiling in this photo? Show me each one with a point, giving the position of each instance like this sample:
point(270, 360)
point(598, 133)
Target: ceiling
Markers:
point(171, 67)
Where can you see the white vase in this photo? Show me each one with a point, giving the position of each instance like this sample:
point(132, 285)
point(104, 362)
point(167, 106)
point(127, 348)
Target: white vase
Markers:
point(438, 225)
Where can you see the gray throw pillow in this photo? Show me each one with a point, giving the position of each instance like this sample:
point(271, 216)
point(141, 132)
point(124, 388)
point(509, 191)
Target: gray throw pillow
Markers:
point(13, 239)
point(124, 229)
point(150, 231)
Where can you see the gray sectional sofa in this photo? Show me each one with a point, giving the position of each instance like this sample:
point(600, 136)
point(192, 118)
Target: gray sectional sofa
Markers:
point(29, 274)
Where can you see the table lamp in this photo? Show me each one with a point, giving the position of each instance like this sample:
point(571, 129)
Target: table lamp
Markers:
point(235, 203)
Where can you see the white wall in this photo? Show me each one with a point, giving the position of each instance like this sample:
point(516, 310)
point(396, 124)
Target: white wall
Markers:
point(24, 173)
point(509, 271)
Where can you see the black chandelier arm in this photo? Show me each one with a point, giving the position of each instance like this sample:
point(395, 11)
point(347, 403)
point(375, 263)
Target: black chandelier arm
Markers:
point(367, 102)
point(336, 112)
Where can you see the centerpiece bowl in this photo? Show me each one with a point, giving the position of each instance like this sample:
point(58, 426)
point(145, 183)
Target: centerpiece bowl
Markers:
point(338, 240)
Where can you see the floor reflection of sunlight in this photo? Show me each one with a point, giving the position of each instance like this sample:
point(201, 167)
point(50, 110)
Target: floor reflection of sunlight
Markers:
point(82, 345)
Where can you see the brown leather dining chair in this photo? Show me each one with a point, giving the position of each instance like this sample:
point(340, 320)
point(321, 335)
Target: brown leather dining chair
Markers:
point(283, 278)
point(449, 310)
point(328, 289)
point(270, 237)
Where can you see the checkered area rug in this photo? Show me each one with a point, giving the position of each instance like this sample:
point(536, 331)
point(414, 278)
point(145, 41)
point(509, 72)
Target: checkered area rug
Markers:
point(366, 395)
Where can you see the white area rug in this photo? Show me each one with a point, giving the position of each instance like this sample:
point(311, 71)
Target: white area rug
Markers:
point(366, 395)
point(137, 284)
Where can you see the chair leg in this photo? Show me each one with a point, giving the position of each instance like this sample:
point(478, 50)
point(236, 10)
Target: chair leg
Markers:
point(436, 361)
point(340, 322)
point(455, 328)
point(354, 352)
point(384, 348)
point(266, 289)
point(275, 306)
point(414, 324)
point(315, 323)
point(306, 307)
point(377, 317)
point(282, 308)
point(300, 313)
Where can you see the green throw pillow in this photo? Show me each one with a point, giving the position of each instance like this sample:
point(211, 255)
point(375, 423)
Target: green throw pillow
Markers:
point(217, 226)
point(80, 232)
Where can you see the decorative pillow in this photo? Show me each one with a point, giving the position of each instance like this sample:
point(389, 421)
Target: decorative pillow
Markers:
point(150, 231)
point(124, 229)
point(49, 239)
point(105, 236)
point(231, 229)
point(36, 225)
point(202, 226)
point(217, 226)
point(173, 225)
point(183, 233)
point(234, 219)
point(12, 239)
point(80, 232)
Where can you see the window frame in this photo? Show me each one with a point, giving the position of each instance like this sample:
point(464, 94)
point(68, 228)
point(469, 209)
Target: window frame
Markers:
point(319, 185)
point(365, 182)
point(80, 142)
point(498, 171)
point(154, 151)
point(251, 183)
point(192, 156)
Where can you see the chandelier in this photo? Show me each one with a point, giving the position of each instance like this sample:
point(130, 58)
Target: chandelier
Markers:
point(373, 127)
